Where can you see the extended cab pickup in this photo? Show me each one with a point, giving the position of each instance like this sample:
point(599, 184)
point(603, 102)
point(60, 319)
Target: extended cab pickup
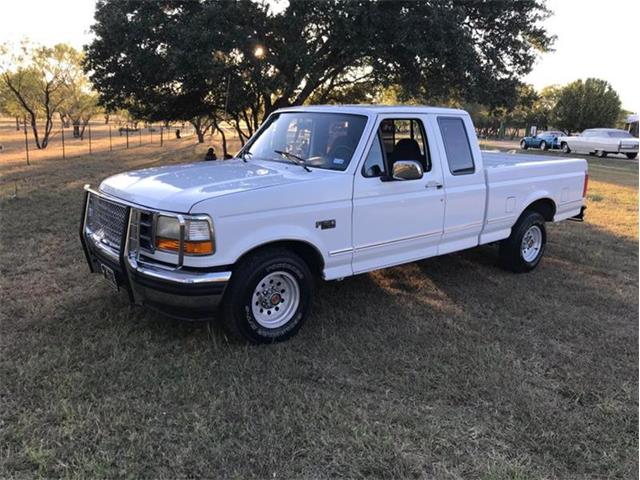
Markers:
point(327, 191)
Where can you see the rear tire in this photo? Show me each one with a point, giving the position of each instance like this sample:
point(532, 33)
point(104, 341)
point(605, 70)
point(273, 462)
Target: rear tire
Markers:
point(600, 153)
point(631, 156)
point(565, 147)
point(524, 248)
point(269, 296)
point(523, 144)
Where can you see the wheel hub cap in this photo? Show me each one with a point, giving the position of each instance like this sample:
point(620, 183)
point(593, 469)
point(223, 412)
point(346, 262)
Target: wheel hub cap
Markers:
point(275, 299)
point(531, 243)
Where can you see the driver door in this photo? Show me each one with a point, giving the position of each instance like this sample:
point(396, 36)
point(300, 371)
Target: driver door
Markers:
point(396, 221)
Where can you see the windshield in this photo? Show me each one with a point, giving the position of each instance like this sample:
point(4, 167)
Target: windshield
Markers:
point(619, 134)
point(322, 140)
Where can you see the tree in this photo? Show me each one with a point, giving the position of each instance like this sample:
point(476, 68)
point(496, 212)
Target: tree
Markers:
point(36, 85)
point(588, 104)
point(185, 60)
point(79, 103)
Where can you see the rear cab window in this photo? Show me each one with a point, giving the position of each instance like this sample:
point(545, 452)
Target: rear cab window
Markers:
point(456, 145)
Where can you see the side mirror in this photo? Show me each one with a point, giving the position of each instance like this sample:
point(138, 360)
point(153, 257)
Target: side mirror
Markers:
point(406, 170)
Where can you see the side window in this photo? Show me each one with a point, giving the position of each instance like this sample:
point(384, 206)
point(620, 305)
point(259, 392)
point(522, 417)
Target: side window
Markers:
point(456, 145)
point(397, 139)
point(374, 164)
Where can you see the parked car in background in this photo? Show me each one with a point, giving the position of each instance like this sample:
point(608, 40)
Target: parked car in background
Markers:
point(542, 140)
point(601, 141)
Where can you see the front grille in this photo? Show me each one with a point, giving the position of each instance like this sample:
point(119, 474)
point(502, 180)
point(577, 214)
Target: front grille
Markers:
point(146, 231)
point(106, 220)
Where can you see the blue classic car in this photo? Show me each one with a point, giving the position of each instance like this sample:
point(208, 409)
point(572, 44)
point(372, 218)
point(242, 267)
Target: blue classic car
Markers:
point(543, 140)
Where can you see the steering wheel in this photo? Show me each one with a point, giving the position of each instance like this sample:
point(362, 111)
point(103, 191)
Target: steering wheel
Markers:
point(344, 152)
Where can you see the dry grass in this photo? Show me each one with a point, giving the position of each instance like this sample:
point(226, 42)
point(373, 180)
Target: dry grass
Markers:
point(446, 368)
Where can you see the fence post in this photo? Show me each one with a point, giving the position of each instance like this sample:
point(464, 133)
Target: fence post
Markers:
point(110, 145)
point(90, 152)
point(64, 155)
point(127, 132)
point(161, 135)
point(151, 133)
point(26, 140)
point(140, 136)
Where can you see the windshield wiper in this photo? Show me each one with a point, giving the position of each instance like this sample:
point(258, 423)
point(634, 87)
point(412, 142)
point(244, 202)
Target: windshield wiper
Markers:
point(245, 154)
point(294, 158)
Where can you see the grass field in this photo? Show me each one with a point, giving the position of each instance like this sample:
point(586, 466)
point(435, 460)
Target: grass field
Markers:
point(446, 368)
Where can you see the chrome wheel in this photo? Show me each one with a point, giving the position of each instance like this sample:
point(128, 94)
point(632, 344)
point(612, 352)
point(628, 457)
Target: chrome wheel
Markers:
point(275, 299)
point(531, 243)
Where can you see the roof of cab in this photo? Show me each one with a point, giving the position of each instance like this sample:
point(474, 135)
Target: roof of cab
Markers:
point(376, 109)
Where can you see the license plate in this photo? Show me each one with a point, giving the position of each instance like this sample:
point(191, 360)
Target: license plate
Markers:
point(110, 276)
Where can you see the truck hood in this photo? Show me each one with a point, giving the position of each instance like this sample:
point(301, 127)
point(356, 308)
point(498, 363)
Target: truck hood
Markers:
point(177, 188)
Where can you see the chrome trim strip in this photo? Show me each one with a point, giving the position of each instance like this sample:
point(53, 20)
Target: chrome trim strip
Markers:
point(462, 227)
point(340, 252)
point(398, 240)
point(500, 219)
point(180, 277)
point(181, 244)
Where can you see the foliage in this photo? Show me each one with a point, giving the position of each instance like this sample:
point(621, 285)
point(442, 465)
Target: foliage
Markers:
point(183, 60)
point(588, 104)
point(80, 102)
point(45, 81)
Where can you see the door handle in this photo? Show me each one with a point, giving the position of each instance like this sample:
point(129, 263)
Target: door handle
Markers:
point(433, 184)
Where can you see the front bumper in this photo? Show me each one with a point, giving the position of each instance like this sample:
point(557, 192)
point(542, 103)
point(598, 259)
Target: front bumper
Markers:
point(181, 292)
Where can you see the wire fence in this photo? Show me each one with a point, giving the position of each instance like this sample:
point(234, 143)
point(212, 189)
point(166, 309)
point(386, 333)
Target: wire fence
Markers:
point(18, 144)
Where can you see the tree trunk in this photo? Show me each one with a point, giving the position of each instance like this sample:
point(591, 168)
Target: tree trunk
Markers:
point(17, 124)
point(225, 153)
point(34, 129)
point(198, 128)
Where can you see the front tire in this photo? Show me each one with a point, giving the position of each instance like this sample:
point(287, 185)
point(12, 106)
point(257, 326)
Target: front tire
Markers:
point(269, 296)
point(523, 144)
point(631, 156)
point(543, 146)
point(600, 153)
point(523, 250)
point(565, 147)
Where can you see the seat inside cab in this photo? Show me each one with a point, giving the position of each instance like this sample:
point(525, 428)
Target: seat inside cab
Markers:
point(404, 139)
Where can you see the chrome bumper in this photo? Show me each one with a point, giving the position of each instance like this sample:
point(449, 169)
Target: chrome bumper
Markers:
point(180, 292)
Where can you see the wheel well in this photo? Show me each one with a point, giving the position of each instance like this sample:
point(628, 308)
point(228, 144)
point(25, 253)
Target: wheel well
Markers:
point(545, 207)
point(304, 250)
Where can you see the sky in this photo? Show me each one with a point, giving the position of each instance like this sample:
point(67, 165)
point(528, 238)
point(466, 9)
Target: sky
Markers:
point(594, 38)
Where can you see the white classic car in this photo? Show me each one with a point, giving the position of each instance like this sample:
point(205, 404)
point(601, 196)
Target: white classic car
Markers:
point(319, 192)
point(601, 141)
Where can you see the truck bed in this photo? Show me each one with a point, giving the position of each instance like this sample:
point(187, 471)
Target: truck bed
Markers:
point(495, 158)
point(515, 180)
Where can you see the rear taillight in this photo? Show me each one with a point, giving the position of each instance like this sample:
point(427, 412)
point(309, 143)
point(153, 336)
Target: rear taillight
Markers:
point(586, 184)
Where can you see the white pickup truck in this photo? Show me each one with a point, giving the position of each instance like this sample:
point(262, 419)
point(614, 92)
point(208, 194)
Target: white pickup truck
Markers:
point(319, 192)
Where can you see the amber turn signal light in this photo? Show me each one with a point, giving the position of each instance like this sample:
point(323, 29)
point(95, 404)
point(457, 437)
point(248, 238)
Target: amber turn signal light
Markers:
point(190, 247)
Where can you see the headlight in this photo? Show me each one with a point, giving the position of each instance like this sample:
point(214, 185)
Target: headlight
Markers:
point(198, 238)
